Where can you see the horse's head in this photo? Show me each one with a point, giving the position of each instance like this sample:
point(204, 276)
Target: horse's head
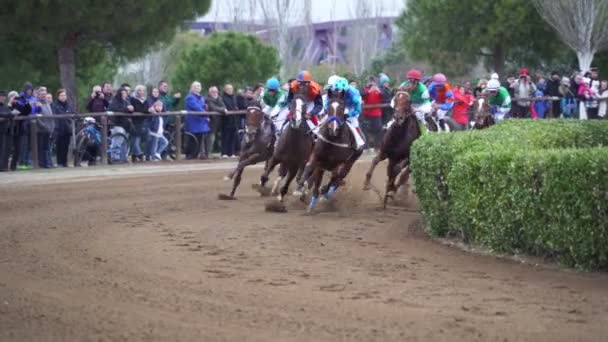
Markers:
point(482, 109)
point(335, 115)
point(253, 118)
point(402, 107)
point(297, 110)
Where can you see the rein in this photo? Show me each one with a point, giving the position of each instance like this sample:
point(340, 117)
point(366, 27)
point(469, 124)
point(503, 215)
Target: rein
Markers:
point(317, 133)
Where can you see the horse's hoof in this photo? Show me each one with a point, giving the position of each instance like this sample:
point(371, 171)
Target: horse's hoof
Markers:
point(297, 193)
point(224, 197)
point(367, 187)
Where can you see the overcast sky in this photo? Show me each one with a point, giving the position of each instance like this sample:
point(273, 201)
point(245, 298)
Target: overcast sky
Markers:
point(322, 10)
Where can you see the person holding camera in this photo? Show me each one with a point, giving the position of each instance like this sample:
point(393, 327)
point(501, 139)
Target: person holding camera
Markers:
point(523, 88)
point(18, 106)
point(98, 102)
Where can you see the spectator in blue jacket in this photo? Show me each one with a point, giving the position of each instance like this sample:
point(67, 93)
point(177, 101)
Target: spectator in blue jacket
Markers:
point(198, 125)
point(25, 158)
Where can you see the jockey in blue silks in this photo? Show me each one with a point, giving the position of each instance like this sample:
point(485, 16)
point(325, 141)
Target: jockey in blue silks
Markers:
point(353, 105)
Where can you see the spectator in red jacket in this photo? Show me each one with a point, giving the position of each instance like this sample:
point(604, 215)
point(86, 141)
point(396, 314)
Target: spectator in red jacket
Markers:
point(463, 100)
point(372, 117)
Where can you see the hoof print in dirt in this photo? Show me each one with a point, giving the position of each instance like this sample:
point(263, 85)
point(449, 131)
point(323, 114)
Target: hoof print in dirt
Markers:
point(224, 197)
point(275, 207)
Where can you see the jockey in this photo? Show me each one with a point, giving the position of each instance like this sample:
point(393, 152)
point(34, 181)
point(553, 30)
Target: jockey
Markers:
point(273, 98)
point(304, 85)
point(499, 99)
point(353, 105)
point(419, 95)
point(442, 96)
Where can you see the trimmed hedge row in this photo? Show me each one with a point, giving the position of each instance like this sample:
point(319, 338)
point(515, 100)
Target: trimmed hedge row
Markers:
point(534, 186)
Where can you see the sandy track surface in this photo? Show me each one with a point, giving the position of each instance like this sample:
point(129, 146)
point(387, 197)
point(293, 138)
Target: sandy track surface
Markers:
point(159, 258)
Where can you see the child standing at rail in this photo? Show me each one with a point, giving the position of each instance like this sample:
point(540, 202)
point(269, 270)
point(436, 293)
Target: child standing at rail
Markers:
point(157, 141)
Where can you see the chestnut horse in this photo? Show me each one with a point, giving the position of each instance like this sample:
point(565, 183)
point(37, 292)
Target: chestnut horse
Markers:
point(292, 150)
point(333, 152)
point(257, 146)
point(483, 113)
point(396, 146)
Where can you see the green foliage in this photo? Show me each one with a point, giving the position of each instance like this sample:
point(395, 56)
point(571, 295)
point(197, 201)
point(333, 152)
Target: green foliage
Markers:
point(533, 186)
point(38, 29)
point(231, 57)
point(453, 35)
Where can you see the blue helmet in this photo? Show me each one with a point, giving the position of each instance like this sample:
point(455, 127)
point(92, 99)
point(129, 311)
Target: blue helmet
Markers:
point(340, 85)
point(273, 84)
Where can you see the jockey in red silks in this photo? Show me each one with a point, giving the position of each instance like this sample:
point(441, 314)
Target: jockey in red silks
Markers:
point(313, 94)
point(442, 96)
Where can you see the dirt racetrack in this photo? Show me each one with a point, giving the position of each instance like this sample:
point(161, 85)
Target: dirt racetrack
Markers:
point(159, 258)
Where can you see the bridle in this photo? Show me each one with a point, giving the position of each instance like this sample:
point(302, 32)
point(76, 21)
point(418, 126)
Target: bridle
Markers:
point(252, 128)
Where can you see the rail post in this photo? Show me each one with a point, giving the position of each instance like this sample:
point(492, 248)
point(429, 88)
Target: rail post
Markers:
point(178, 137)
point(34, 142)
point(104, 139)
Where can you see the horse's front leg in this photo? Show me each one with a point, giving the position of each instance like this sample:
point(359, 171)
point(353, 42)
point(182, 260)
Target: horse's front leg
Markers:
point(270, 165)
point(291, 174)
point(403, 176)
point(316, 177)
point(348, 165)
point(299, 182)
point(368, 176)
point(238, 171)
point(242, 159)
point(392, 170)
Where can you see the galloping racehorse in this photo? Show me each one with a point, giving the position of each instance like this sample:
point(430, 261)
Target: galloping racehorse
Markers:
point(396, 146)
point(258, 145)
point(483, 114)
point(292, 150)
point(332, 152)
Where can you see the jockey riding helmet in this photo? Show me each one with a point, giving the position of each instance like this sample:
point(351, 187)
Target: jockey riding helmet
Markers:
point(273, 84)
point(332, 80)
point(89, 120)
point(493, 85)
point(340, 85)
point(414, 75)
point(304, 76)
point(440, 79)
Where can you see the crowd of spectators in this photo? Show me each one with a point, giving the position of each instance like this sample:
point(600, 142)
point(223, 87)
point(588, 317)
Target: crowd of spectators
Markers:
point(578, 96)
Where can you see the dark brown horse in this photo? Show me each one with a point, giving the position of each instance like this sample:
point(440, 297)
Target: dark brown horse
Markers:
point(483, 113)
point(333, 152)
point(396, 146)
point(292, 150)
point(258, 145)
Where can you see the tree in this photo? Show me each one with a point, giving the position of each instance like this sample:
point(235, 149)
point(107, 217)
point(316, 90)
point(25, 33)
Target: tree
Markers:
point(582, 25)
point(456, 34)
point(232, 57)
point(127, 28)
point(158, 64)
point(22, 61)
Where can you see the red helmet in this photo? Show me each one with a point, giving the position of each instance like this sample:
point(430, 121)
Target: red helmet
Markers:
point(523, 71)
point(440, 79)
point(414, 74)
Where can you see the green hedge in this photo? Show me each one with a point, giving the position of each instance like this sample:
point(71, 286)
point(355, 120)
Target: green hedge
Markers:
point(500, 187)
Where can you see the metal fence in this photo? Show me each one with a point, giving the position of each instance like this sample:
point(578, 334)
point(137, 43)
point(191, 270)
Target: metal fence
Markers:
point(104, 116)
